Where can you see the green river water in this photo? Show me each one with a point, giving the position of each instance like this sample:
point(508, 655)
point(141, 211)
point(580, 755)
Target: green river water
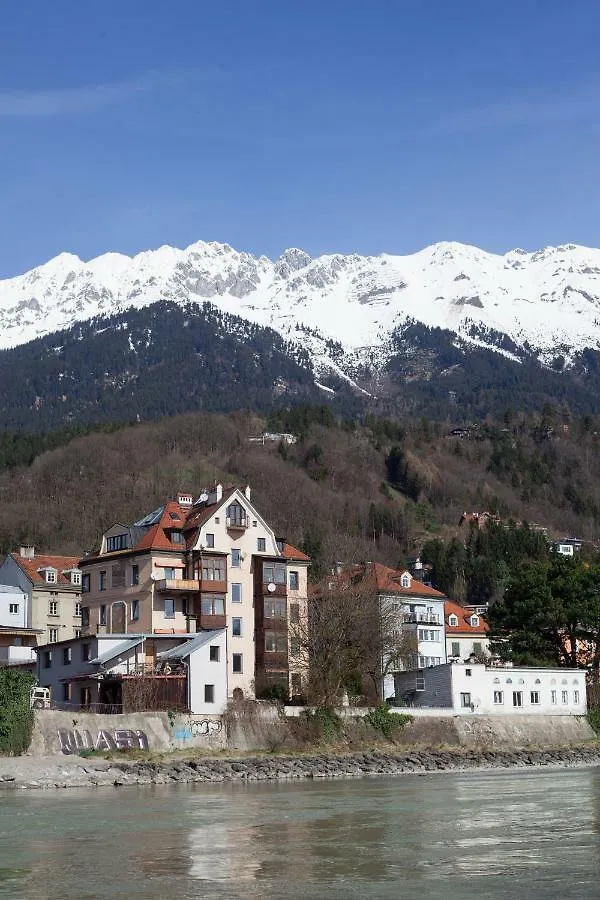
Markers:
point(522, 834)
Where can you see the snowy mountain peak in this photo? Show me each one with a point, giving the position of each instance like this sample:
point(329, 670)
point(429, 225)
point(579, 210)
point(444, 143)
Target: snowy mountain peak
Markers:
point(547, 300)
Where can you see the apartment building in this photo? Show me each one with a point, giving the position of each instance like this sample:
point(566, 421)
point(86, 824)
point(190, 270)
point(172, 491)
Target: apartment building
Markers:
point(50, 588)
point(203, 564)
point(466, 633)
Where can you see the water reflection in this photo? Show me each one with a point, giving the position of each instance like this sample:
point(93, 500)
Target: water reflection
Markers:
point(440, 836)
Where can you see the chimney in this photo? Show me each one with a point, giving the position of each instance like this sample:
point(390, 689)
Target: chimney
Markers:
point(27, 552)
point(184, 498)
point(215, 494)
point(247, 492)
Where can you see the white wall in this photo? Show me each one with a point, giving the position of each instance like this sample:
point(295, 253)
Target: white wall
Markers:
point(483, 681)
point(10, 595)
point(203, 671)
point(466, 642)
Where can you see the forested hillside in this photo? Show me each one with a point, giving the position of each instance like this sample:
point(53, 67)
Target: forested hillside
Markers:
point(347, 490)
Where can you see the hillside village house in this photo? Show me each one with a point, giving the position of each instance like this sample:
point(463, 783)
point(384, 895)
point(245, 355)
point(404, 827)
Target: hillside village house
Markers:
point(127, 672)
point(204, 564)
point(466, 633)
point(494, 690)
point(47, 593)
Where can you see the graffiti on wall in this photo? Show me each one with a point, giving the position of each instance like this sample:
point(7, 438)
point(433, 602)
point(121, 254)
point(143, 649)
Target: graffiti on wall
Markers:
point(186, 731)
point(72, 741)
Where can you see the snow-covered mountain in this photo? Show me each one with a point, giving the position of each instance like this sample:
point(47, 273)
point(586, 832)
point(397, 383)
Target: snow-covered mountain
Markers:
point(547, 302)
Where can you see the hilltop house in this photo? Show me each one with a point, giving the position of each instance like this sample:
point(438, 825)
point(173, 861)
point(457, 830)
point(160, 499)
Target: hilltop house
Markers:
point(206, 564)
point(46, 594)
point(466, 633)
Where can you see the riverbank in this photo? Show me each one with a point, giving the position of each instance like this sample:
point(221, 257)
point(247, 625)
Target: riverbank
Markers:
point(27, 773)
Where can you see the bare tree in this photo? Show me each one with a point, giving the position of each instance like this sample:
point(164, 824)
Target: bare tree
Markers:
point(351, 634)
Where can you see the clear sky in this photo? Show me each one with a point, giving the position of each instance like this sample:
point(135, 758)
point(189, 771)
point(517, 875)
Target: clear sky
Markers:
point(332, 125)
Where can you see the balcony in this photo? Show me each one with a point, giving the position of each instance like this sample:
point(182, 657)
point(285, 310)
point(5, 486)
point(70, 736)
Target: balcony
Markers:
point(421, 619)
point(206, 622)
point(215, 587)
point(16, 655)
point(235, 523)
point(178, 584)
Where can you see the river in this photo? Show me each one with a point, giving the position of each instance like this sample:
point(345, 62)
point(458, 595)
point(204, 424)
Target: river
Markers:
point(488, 835)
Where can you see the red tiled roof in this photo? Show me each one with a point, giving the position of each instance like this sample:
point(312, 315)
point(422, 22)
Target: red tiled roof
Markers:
point(464, 620)
point(290, 552)
point(60, 563)
point(386, 580)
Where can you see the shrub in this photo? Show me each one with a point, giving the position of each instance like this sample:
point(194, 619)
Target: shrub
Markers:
point(385, 721)
point(593, 718)
point(16, 717)
point(326, 724)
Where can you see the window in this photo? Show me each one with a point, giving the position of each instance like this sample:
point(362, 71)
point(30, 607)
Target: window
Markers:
point(169, 608)
point(209, 693)
point(77, 632)
point(275, 642)
point(296, 683)
point(102, 620)
point(210, 540)
point(76, 578)
point(53, 608)
point(420, 683)
point(405, 580)
point(236, 664)
point(177, 537)
point(535, 697)
point(85, 696)
point(455, 648)
point(261, 545)
point(575, 696)
point(453, 621)
point(294, 647)
point(102, 581)
point(213, 570)
point(236, 627)
point(474, 621)
point(85, 616)
point(52, 635)
point(564, 696)
point(274, 574)
point(47, 659)
point(116, 542)
point(214, 652)
point(294, 613)
point(50, 576)
point(85, 652)
point(18, 642)
point(468, 672)
point(77, 608)
point(517, 698)
point(13, 609)
point(236, 593)
point(66, 656)
point(236, 515)
point(553, 698)
point(85, 584)
point(275, 608)
point(294, 581)
point(465, 700)
point(236, 558)
point(66, 692)
point(212, 605)
point(428, 634)
point(498, 698)
point(169, 572)
point(477, 648)
point(135, 610)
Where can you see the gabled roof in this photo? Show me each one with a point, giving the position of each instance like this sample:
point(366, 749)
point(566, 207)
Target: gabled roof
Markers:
point(60, 563)
point(290, 552)
point(464, 620)
point(117, 649)
point(384, 579)
point(184, 650)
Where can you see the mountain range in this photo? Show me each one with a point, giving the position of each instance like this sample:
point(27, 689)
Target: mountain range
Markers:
point(450, 324)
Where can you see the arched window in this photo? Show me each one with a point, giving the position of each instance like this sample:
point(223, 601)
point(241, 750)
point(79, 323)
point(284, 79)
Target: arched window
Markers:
point(553, 681)
point(474, 621)
point(575, 681)
point(521, 681)
point(537, 681)
point(405, 580)
point(453, 621)
point(564, 681)
point(509, 680)
point(496, 681)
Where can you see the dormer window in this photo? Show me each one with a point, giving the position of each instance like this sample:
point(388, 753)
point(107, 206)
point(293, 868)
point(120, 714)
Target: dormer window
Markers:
point(453, 621)
point(405, 580)
point(177, 537)
point(236, 516)
point(76, 578)
point(117, 542)
point(51, 576)
point(474, 621)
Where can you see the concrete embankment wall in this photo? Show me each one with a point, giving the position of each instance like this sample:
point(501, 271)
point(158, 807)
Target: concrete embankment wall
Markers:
point(263, 726)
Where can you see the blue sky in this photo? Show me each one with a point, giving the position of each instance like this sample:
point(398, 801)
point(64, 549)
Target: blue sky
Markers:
point(332, 125)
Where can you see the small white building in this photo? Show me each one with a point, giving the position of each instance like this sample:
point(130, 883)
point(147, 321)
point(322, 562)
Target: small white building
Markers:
point(103, 671)
point(466, 632)
point(494, 690)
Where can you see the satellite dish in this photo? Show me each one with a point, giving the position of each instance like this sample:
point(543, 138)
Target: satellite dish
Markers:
point(270, 587)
